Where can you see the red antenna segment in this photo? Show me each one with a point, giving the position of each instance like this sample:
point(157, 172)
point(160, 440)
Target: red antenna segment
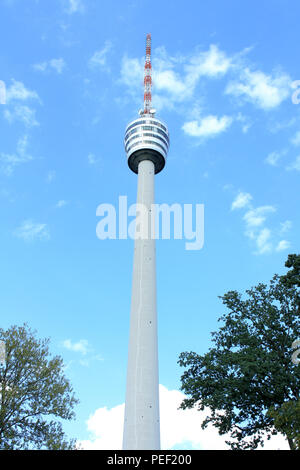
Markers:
point(148, 78)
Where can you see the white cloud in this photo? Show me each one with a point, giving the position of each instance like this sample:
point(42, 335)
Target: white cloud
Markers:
point(211, 63)
point(30, 231)
point(82, 346)
point(61, 203)
point(106, 428)
point(51, 176)
point(18, 92)
point(295, 165)
point(178, 83)
point(179, 428)
point(262, 90)
point(16, 111)
point(285, 226)
point(170, 82)
point(21, 113)
point(84, 349)
point(246, 123)
point(283, 245)
point(273, 157)
point(10, 161)
point(256, 217)
point(296, 139)
point(93, 160)
point(99, 58)
point(41, 67)
point(176, 78)
point(174, 86)
point(22, 146)
point(263, 241)
point(208, 126)
point(74, 6)
point(132, 71)
point(277, 126)
point(242, 200)
point(56, 64)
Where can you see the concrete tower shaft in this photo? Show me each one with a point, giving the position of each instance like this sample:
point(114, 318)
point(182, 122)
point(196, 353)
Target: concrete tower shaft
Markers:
point(146, 145)
point(141, 426)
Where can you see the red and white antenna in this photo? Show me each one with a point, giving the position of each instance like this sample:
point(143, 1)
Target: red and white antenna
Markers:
point(148, 78)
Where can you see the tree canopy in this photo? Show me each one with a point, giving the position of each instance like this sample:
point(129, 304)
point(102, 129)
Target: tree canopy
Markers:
point(35, 395)
point(247, 379)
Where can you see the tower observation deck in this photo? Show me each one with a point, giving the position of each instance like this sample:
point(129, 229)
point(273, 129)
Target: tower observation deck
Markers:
point(147, 138)
point(146, 145)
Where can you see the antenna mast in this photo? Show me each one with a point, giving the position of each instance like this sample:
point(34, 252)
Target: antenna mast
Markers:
point(148, 78)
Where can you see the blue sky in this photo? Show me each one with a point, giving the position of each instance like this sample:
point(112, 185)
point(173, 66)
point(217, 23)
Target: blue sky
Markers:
point(73, 69)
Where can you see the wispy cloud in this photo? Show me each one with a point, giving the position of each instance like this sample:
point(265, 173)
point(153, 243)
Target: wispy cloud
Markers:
point(132, 72)
point(277, 126)
point(58, 65)
point(295, 165)
point(22, 113)
point(274, 157)
point(30, 231)
point(255, 219)
point(74, 6)
point(296, 139)
point(255, 230)
point(262, 235)
point(99, 58)
point(285, 226)
point(61, 203)
point(176, 78)
point(93, 160)
point(50, 176)
point(262, 239)
point(16, 110)
point(245, 122)
point(81, 346)
point(8, 161)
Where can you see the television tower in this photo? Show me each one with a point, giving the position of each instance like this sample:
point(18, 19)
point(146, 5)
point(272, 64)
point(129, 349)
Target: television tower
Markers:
point(146, 145)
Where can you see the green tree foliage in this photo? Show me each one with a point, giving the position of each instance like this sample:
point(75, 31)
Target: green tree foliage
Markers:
point(247, 379)
point(34, 394)
point(287, 421)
